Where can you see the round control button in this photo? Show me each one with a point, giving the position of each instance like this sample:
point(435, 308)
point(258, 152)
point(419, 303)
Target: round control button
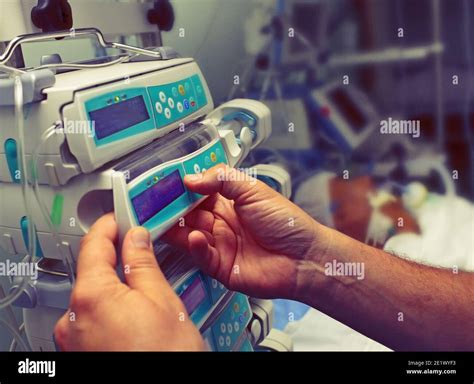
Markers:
point(167, 113)
point(162, 97)
point(186, 103)
point(171, 103)
point(181, 89)
point(174, 91)
point(218, 151)
point(158, 107)
point(214, 283)
point(207, 161)
point(203, 170)
point(236, 307)
point(221, 341)
point(187, 86)
point(221, 286)
point(180, 107)
point(223, 329)
point(228, 341)
point(230, 329)
point(236, 326)
point(213, 157)
point(197, 168)
point(199, 89)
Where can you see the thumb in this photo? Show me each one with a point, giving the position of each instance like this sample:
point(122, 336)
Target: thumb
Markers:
point(141, 269)
point(229, 182)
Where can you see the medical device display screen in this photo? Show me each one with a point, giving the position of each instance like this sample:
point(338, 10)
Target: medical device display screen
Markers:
point(154, 199)
point(193, 295)
point(348, 109)
point(119, 116)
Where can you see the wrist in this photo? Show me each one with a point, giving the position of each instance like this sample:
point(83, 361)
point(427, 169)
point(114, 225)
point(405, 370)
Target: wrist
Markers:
point(310, 271)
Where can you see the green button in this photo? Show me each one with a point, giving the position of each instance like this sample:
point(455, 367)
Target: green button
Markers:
point(57, 210)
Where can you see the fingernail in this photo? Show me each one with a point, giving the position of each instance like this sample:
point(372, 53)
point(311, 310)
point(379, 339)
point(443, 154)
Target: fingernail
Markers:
point(194, 177)
point(141, 238)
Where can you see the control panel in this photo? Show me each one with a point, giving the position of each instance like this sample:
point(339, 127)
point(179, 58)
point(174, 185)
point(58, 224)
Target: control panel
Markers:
point(199, 294)
point(127, 112)
point(195, 296)
point(176, 100)
point(159, 197)
point(231, 324)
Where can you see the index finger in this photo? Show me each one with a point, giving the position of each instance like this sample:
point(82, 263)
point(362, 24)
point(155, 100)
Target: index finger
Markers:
point(97, 255)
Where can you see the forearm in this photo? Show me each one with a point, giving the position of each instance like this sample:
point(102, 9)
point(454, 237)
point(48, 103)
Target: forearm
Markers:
point(403, 305)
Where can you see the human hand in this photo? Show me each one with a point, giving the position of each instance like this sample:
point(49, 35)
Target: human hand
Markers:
point(144, 313)
point(246, 235)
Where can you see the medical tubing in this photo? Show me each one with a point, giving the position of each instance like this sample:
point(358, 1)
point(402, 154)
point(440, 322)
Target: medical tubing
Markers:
point(15, 334)
point(14, 342)
point(25, 186)
point(19, 119)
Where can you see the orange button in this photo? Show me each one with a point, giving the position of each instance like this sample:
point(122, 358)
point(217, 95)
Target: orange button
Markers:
point(213, 157)
point(181, 90)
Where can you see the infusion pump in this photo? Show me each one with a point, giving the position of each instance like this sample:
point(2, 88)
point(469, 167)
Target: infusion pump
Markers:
point(91, 117)
point(77, 141)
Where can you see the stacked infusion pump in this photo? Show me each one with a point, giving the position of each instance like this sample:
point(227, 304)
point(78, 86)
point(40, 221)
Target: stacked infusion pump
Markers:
point(118, 135)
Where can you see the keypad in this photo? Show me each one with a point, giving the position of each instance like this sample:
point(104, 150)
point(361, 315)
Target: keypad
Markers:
point(232, 322)
point(174, 101)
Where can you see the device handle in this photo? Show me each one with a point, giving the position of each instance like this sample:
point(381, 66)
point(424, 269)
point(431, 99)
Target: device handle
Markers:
point(72, 33)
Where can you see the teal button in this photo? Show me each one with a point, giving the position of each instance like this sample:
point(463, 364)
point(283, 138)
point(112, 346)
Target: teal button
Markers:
point(24, 232)
point(11, 153)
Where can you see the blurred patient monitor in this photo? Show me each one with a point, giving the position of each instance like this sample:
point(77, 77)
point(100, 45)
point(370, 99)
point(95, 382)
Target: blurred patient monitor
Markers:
point(118, 133)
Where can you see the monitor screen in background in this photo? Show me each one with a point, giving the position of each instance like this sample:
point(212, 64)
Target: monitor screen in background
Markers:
point(348, 109)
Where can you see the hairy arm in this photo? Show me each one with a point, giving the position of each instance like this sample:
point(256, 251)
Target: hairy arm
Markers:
point(401, 304)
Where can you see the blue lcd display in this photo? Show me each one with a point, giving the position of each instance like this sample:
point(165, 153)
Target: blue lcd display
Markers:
point(119, 116)
point(148, 203)
point(194, 295)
